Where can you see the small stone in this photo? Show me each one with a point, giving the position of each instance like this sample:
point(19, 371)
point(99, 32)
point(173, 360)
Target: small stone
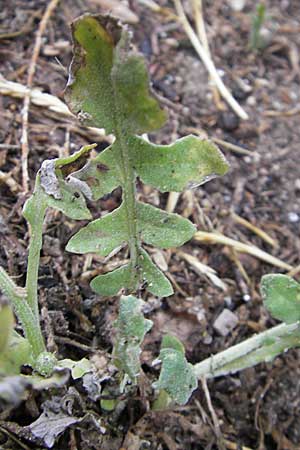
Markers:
point(237, 5)
point(225, 322)
point(228, 121)
point(293, 217)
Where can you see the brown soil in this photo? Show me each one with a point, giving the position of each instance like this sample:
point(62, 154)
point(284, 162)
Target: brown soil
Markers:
point(258, 408)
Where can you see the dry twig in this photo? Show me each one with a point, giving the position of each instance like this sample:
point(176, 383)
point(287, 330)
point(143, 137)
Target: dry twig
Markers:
point(216, 238)
point(262, 234)
point(31, 71)
point(207, 61)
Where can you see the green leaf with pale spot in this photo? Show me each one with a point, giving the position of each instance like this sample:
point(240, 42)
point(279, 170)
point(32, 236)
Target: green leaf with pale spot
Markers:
point(101, 236)
point(101, 174)
point(109, 83)
point(189, 161)
point(163, 229)
point(281, 295)
point(156, 281)
point(112, 282)
point(56, 188)
point(177, 376)
point(131, 327)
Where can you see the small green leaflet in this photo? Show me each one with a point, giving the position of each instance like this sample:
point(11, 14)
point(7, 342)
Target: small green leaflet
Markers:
point(131, 327)
point(281, 295)
point(177, 376)
point(174, 167)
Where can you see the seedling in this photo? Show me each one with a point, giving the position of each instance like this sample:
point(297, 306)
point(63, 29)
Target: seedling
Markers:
point(108, 87)
point(256, 39)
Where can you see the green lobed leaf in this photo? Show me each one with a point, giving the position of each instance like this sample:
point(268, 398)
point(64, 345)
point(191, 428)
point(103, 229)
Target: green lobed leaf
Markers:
point(131, 327)
point(111, 283)
point(157, 283)
point(78, 368)
point(281, 295)
point(163, 229)
point(177, 376)
point(16, 354)
point(101, 174)
point(108, 82)
point(189, 161)
point(102, 235)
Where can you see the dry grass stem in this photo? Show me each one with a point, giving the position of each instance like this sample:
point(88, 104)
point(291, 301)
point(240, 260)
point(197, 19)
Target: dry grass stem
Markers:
point(207, 61)
point(44, 100)
point(216, 238)
point(203, 269)
point(262, 234)
point(172, 201)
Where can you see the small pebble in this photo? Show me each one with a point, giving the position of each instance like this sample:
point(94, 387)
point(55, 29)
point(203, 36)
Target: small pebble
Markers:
point(293, 217)
point(297, 184)
point(228, 121)
point(225, 322)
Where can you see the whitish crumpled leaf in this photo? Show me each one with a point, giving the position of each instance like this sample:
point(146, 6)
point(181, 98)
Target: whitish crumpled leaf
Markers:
point(50, 425)
point(56, 188)
point(281, 295)
point(163, 229)
point(177, 376)
point(102, 235)
point(108, 81)
point(12, 389)
point(188, 162)
point(131, 327)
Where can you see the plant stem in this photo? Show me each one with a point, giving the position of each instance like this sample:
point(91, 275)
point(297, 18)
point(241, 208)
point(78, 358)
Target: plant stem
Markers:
point(17, 297)
point(130, 203)
point(262, 347)
point(35, 246)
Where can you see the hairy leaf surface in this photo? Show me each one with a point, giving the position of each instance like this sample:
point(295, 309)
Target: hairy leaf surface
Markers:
point(177, 376)
point(109, 84)
point(189, 161)
point(131, 328)
point(102, 235)
point(109, 87)
point(281, 295)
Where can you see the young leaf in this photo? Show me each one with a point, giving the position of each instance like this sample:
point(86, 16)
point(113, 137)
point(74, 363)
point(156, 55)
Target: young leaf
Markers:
point(163, 229)
point(102, 235)
point(78, 368)
point(177, 376)
point(112, 282)
point(16, 354)
point(173, 167)
point(157, 283)
point(101, 174)
point(281, 295)
point(107, 81)
point(131, 327)
point(109, 87)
